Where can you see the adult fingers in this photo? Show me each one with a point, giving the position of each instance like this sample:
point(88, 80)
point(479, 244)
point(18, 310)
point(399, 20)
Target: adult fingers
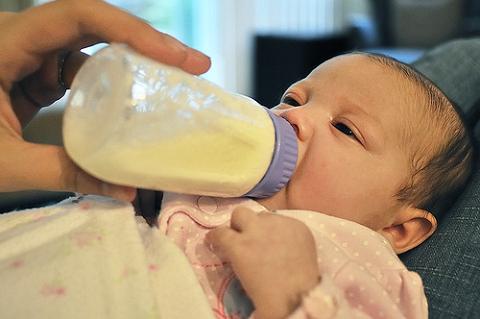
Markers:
point(72, 64)
point(42, 88)
point(48, 167)
point(74, 24)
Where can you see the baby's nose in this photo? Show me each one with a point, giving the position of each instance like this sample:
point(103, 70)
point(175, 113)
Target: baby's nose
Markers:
point(299, 121)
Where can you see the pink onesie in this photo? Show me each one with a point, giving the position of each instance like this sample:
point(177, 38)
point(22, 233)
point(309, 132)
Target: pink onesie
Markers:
point(362, 277)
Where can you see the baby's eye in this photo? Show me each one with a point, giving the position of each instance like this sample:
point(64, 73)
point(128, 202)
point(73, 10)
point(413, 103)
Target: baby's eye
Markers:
point(344, 129)
point(290, 101)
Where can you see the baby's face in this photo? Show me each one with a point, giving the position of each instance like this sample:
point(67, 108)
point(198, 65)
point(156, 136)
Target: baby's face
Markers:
point(349, 128)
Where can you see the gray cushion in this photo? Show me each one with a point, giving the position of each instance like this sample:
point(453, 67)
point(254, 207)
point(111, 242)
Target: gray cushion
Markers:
point(455, 68)
point(449, 262)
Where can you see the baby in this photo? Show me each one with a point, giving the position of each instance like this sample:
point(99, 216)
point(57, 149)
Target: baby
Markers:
point(380, 150)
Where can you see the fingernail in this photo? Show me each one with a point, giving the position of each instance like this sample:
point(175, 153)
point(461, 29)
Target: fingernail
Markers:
point(123, 193)
point(207, 242)
point(196, 62)
point(211, 247)
point(200, 54)
point(130, 193)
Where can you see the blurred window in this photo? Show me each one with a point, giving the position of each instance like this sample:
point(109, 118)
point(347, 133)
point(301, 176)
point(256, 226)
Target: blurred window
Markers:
point(224, 29)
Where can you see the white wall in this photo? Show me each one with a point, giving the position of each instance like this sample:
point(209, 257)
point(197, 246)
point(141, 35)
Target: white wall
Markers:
point(226, 29)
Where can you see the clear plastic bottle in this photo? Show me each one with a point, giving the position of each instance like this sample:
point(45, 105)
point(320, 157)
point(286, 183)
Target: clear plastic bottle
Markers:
point(133, 121)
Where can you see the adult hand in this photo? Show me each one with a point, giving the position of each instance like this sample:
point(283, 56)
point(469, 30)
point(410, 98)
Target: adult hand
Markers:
point(273, 256)
point(33, 43)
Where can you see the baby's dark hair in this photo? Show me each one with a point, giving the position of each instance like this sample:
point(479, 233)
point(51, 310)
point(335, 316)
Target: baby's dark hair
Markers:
point(438, 143)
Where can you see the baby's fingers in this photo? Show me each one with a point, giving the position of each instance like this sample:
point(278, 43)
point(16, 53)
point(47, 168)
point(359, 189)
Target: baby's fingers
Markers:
point(242, 219)
point(222, 241)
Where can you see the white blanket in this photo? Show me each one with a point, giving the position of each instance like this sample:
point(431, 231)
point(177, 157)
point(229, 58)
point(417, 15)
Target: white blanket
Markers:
point(92, 258)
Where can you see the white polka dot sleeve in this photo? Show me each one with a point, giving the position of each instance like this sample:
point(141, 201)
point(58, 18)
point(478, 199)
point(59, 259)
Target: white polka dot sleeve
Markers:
point(362, 277)
point(355, 293)
point(325, 301)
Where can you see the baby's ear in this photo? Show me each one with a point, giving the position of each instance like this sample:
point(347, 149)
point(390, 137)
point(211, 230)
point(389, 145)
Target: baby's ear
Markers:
point(411, 227)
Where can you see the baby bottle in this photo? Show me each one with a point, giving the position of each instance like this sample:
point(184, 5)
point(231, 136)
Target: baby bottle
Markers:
point(133, 121)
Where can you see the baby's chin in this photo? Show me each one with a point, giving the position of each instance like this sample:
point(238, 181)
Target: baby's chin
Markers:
point(275, 202)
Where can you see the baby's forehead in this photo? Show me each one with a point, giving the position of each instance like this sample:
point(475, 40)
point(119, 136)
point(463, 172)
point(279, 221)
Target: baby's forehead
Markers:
point(366, 67)
point(376, 76)
point(365, 59)
point(370, 77)
point(400, 94)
